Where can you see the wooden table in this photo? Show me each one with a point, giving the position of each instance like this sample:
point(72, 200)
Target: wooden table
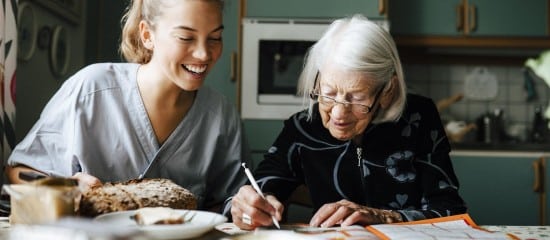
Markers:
point(522, 232)
point(227, 231)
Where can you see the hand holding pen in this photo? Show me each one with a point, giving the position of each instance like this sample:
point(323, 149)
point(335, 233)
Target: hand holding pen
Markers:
point(245, 217)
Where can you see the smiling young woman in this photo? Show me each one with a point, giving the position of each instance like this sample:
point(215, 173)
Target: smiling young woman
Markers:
point(151, 117)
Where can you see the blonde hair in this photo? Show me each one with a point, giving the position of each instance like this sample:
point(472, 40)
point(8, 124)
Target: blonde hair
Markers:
point(361, 45)
point(131, 47)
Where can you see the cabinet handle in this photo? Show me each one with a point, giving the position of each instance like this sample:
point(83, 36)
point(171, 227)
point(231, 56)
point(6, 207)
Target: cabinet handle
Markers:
point(460, 17)
point(382, 7)
point(539, 167)
point(234, 65)
point(473, 18)
point(538, 184)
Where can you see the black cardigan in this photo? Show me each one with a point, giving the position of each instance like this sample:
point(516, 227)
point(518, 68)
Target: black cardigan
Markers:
point(404, 166)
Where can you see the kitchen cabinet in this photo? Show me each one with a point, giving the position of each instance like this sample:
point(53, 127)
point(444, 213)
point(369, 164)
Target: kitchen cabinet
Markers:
point(260, 135)
point(315, 8)
point(223, 76)
point(467, 23)
point(469, 17)
point(499, 189)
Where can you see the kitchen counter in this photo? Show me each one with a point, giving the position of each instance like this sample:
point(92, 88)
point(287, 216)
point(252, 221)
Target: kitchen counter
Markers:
point(501, 149)
point(506, 146)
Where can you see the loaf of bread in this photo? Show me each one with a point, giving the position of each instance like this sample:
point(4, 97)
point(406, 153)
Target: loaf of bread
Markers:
point(135, 194)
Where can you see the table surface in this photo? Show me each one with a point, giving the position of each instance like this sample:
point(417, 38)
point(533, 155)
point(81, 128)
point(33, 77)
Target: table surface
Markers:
point(229, 231)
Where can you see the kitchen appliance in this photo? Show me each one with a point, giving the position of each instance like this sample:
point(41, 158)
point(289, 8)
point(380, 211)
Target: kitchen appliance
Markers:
point(272, 60)
point(273, 54)
point(491, 127)
point(539, 132)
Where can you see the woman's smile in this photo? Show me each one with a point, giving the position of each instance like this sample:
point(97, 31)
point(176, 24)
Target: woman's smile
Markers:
point(195, 71)
point(196, 68)
point(341, 125)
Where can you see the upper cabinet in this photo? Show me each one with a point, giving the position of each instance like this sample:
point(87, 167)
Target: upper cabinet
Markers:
point(483, 23)
point(505, 18)
point(469, 17)
point(375, 9)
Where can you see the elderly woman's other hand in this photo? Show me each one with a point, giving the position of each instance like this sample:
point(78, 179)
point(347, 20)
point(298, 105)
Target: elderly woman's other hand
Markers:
point(347, 213)
point(249, 210)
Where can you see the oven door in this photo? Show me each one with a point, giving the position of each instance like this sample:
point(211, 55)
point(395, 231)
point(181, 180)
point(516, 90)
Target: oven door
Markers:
point(273, 58)
point(280, 65)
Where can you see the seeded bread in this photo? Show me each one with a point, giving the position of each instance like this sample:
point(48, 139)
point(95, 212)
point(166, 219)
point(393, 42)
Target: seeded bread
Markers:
point(135, 194)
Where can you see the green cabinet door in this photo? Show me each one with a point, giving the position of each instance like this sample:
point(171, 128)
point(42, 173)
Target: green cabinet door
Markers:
point(262, 133)
point(423, 17)
point(220, 77)
point(546, 187)
point(311, 8)
point(498, 190)
point(508, 18)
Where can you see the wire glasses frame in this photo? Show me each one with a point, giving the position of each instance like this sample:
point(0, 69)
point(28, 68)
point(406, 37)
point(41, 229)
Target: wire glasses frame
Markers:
point(330, 102)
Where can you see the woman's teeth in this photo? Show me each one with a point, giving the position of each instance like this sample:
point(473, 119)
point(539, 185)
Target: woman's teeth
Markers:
point(195, 68)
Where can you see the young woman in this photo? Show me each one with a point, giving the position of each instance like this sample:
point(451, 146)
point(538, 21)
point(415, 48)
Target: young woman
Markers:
point(151, 117)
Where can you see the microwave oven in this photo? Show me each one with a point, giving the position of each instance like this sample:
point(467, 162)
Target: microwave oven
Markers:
point(273, 52)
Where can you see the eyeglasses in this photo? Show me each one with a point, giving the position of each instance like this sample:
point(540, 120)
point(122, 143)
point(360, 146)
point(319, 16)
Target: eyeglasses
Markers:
point(329, 102)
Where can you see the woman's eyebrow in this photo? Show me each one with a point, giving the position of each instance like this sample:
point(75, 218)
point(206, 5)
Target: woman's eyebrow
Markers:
point(219, 28)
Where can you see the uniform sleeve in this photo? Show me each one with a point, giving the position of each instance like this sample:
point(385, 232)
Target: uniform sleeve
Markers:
point(47, 146)
point(439, 182)
point(231, 151)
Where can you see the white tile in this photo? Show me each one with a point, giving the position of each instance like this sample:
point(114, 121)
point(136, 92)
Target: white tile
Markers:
point(440, 73)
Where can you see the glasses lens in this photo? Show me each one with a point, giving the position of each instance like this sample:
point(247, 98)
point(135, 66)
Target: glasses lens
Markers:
point(359, 108)
point(326, 101)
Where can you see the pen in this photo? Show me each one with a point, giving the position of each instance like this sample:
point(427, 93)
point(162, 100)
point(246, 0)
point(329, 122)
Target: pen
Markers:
point(257, 188)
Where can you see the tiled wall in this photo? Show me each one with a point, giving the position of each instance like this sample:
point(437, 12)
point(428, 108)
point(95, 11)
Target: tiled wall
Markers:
point(441, 81)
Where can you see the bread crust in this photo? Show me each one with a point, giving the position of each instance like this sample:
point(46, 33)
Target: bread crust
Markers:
point(135, 194)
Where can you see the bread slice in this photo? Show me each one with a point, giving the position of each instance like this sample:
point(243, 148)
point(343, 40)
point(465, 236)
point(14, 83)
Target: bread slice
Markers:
point(157, 215)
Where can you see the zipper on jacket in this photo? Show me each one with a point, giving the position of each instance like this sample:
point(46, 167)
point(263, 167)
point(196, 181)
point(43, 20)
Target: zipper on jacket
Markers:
point(359, 151)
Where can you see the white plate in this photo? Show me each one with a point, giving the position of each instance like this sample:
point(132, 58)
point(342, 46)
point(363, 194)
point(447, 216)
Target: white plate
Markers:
point(202, 222)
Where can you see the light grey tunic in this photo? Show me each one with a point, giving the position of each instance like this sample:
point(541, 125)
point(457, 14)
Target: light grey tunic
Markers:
point(97, 124)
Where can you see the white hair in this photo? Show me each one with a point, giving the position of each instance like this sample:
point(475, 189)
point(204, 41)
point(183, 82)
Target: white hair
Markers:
point(358, 44)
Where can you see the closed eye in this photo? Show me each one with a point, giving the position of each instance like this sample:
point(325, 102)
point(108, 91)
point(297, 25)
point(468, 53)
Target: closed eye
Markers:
point(185, 39)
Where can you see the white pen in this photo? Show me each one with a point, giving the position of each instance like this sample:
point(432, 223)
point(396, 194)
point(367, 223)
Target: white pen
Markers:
point(257, 188)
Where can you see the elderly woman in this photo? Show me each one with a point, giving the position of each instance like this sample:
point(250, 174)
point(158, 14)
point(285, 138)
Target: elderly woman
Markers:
point(369, 152)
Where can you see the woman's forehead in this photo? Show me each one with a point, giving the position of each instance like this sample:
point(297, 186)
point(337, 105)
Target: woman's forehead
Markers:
point(192, 14)
point(345, 79)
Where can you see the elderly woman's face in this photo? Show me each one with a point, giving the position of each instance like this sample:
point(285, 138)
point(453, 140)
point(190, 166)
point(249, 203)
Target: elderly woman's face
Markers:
point(346, 121)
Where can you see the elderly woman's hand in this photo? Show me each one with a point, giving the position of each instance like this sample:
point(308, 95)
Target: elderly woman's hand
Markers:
point(348, 213)
point(249, 210)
